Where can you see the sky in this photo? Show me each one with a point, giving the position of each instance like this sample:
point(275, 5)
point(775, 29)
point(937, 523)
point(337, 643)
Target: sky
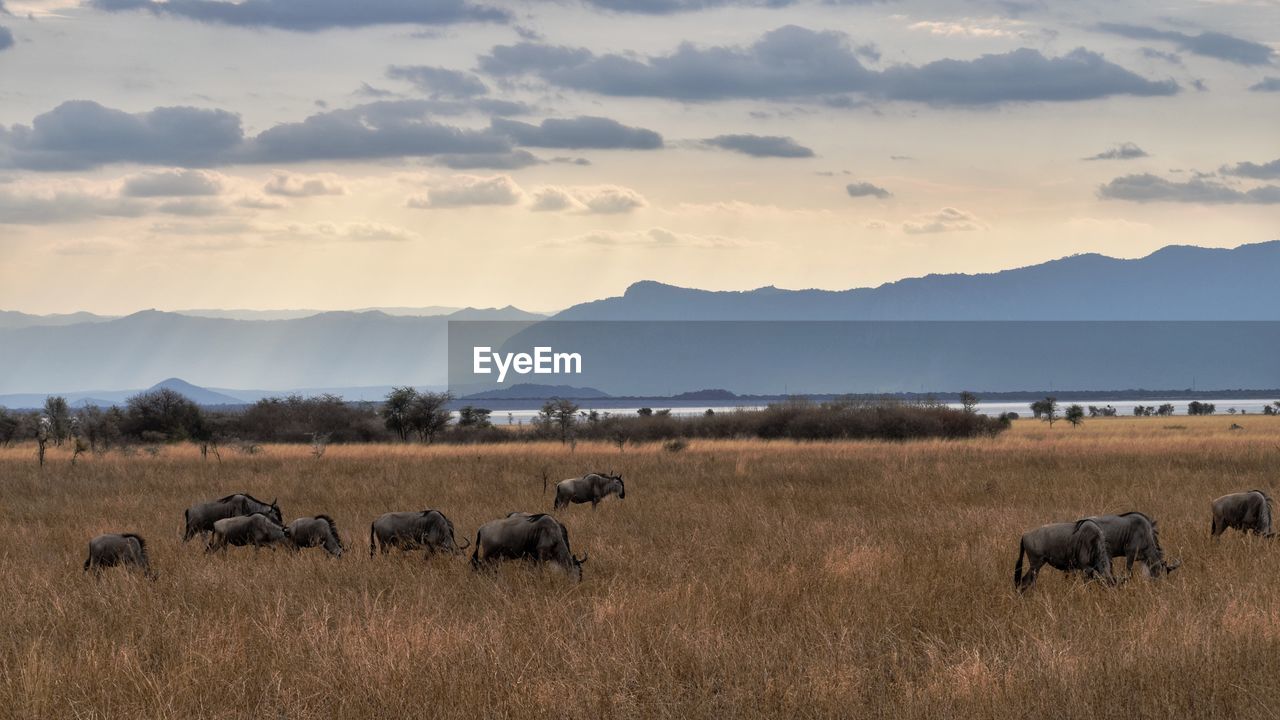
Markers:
point(332, 154)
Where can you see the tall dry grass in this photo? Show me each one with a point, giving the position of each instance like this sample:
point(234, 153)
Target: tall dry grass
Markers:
point(738, 579)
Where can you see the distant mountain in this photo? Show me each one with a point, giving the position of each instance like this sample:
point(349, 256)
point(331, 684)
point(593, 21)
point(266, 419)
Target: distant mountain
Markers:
point(10, 319)
point(1174, 283)
point(533, 391)
point(294, 314)
point(196, 394)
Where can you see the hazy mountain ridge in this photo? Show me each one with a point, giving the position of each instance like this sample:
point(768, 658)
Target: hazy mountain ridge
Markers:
point(1173, 283)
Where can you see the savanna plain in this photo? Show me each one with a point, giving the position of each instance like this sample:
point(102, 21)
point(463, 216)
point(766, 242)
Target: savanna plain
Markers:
point(743, 579)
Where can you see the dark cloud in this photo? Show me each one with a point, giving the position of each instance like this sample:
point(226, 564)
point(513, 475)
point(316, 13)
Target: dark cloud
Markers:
point(172, 183)
point(286, 184)
point(793, 63)
point(438, 81)
point(1123, 151)
point(761, 145)
point(513, 160)
point(1150, 188)
point(313, 15)
point(1154, 54)
point(578, 133)
point(1209, 44)
point(1267, 84)
point(79, 134)
point(385, 129)
point(866, 189)
point(668, 7)
point(1265, 171)
point(6, 38)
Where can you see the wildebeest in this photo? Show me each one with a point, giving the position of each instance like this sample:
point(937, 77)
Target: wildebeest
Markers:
point(1248, 512)
point(318, 531)
point(200, 518)
point(537, 537)
point(1078, 546)
point(1135, 536)
point(256, 530)
point(592, 488)
point(410, 530)
point(113, 549)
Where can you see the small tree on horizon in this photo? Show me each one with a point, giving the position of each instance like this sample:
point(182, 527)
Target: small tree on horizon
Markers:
point(969, 401)
point(1046, 409)
point(1074, 415)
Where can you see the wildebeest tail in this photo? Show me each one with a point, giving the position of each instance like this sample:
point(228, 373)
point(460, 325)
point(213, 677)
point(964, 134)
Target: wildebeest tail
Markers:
point(186, 521)
point(475, 553)
point(372, 546)
point(1017, 569)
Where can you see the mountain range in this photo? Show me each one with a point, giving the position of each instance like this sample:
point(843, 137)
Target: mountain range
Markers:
point(375, 349)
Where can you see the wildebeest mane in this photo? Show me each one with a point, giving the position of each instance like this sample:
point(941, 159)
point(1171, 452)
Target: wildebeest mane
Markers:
point(333, 528)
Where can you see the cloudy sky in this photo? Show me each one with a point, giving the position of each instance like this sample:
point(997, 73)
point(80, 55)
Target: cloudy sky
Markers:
point(338, 154)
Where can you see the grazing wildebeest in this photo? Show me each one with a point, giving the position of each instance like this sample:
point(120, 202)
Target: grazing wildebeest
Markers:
point(1070, 547)
point(200, 518)
point(1246, 512)
point(318, 531)
point(537, 537)
point(410, 530)
point(256, 530)
point(124, 549)
point(592, 488)
point(1136, 537)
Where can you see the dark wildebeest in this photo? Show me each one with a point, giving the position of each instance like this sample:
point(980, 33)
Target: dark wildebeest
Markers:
point(256, 530)
point(538, 537)
point(1248, 512)
point(1135, 536)
point(411, 530)
point(318, 531)
point(200, 518)
point(125, 549)
point(1069, 547)
point(592, 488)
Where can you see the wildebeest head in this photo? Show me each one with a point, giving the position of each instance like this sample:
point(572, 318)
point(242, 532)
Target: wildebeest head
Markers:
point(1157, 565)
point(622, 489)
point(274, 512)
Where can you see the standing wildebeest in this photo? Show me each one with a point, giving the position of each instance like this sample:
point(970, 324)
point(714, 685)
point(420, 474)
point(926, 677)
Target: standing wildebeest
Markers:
point(1246, 512)
point(537, 537)
point(111, 549)
point(592, 488)
point(256, 530)
point(1081, 545)
point(200, 518)
point(318, 531)
point(1136, 537)
point(410, 530)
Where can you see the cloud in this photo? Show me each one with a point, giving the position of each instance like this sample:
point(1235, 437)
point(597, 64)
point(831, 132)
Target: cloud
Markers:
point(1208, 44)
point(192, 207)
point(578, 134)
point(795, 63)
point(312, 15)
point(469, 191)
point(173, 183)
point(6, 38)
point(1123, 151)
point(512, 160)
point(947, 219)
point(866, 189)
point(1153, 54)
point(347, 232)
point(79, 134)
point(553, 199)
point(438, 81)
point(1267, 84)
point(761, 145)
point(64, 205)
point(1150, 188)
point(653, 239)
point(286, 184)
point(1265, 171)
point(589, 200)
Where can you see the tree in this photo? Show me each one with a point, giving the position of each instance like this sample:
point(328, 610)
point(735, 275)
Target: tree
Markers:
point(429, 414)
point(1046, 409)
point(59, 414)
point(470, 416)
point(396, 410)
point(1074, 415)
point(163, 415)
point(8, 427)
point(558, 416)
point(969, 401)
point(1165, 410)
point(645, 412)
point(1195, 407)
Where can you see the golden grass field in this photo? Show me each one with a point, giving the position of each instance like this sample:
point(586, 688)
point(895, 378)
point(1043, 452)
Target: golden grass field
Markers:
point(738, 579)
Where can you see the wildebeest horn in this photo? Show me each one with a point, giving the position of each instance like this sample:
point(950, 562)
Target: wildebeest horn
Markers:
point(583, 559)
point(466, 544)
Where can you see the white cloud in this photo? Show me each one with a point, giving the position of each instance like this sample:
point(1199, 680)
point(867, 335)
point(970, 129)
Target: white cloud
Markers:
point(469, 191)
point(948, 219)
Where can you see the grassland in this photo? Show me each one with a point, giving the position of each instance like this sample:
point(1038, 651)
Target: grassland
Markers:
point(738, 579)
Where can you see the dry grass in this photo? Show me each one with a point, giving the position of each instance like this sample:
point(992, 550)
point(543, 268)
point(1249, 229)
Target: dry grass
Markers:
point(738, 579)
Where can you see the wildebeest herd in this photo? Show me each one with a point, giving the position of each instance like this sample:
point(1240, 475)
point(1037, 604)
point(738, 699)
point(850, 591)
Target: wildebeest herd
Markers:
point(243, 520)
point(1087, 545)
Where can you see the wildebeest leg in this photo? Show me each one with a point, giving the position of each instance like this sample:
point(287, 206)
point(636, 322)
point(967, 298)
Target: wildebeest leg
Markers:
point(1129, 557)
